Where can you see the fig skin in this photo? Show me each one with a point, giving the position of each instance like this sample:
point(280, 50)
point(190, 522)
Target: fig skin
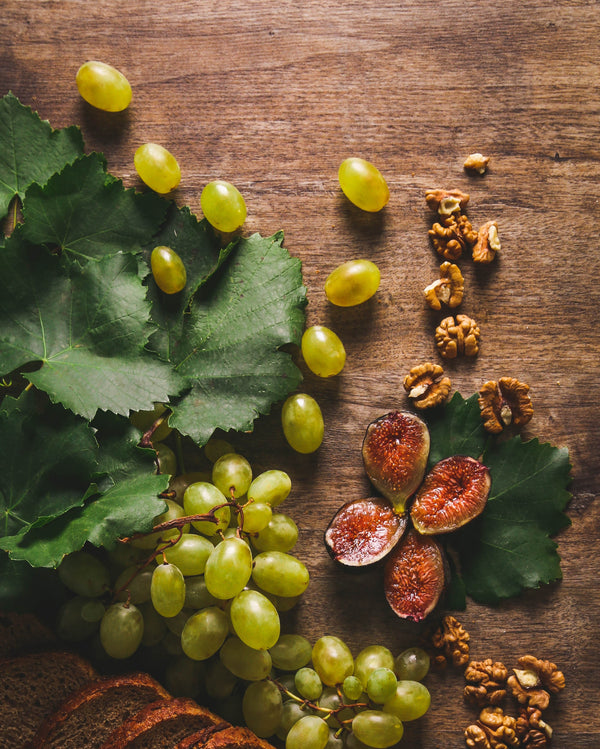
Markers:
point(364, 531)
point(454, 492)
point(395, 451)
point(414, 576)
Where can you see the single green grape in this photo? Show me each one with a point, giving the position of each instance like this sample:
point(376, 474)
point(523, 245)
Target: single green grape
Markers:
point(255, 619)
point(228, 568)
point(308, 683)
point(280, 574)
point(291, 652)
point(175, 624)
point(199, 499)
point(71, 624)
point(281, 534)
point(133, 585)
point(363, 184)
point(310, 732)
point(152, 540)
point(219, 681)
point(143, 420)
point(262, 707)
point(103, 86)
point(196, 593)
point(215, 447)
point(157, 167)
point(166, 458)
point(84, 574)
point(413, 664)
point(167, 590)
point(291, 713)
point(92, 610)
point(272, 486)
point(352, 283)
point(189, 554)
point(223, 205)
point(155, 626)
point(121, 630)
point(255, 517)
point(302, 423)
point(204, 632)
point(410, 701)
point(377, 729)
point(381, 685)
point(245, 662)
point(323, 351)
point(232, 475)
point(168, 269)
point(352, 687)
point(332, 660)
point(371, 658)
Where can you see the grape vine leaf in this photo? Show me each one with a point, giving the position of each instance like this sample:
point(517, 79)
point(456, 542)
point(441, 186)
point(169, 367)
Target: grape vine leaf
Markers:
point(30, 150)
point(86, 326)
point(230, 351)
point(86, 213)
point(508, 547)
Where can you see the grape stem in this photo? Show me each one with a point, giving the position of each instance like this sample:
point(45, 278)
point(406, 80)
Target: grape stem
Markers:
point(146, 440)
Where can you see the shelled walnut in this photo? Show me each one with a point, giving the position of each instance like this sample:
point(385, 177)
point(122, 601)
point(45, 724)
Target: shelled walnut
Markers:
point(487, 682)
point(446, 202)
point(493, 730)
point(487, 244)
point(450, 642)
point(451, 237)
point(476, 162)
point(448, 289)
point(532, 731)
point(426, 385)
point(504, 403)
point(458, 337)
point(533, 681)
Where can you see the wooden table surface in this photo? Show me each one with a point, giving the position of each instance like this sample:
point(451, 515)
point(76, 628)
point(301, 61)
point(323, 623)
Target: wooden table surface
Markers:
point(273, 96)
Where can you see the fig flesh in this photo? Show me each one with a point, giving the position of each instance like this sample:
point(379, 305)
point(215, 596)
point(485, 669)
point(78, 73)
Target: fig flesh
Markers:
point(414, 576)
point(364, 531)
point(395, 451)
point(454, 492)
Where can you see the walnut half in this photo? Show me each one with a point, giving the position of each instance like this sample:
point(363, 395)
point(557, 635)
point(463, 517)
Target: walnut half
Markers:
point(493, 730)
point(486, 682)
point(446, 202)
point(448, 289)
point(533, 681)
point(476, 162)
point(426, 385)
point(458, 337)
point(487, 244)
point(452, 236)
point(504, 403)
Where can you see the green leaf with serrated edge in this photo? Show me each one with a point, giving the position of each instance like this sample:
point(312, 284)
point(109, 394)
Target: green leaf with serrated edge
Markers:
point(200, 250)
point(87, 326)
point(87, 214)
point(230, 350)
point(127, 507)
point(456, 429)
point(47, 460)
point(30, 150)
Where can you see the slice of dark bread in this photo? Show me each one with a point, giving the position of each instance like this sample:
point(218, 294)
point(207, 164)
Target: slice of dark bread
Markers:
point(162, 725)
point(32, 686)
point(88, 717)
point(232, 737)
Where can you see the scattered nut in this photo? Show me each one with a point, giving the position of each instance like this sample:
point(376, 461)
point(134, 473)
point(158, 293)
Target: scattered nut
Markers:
point(450, 641)
point(488, 243)
point(504, 403)
point(476, 162)
point(426, 385)
point(493, 730)
point(446, 202)
point(457, 337)
point(487, 682)
point(448, 289)
point(454, 235)
point(531, 683)
point(532, 730)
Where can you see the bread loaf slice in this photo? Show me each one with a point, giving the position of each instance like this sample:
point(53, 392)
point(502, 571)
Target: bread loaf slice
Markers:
point(232, 737)
point(88, 717)
point(162, 724)
point(32, 686)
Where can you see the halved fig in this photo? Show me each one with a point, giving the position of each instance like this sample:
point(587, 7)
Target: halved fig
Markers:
point(363, 531)
point(454, 492)
point(414, 576)
point(395, 451)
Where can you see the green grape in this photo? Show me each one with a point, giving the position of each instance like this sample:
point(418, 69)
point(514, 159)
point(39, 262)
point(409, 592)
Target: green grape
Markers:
point(157, 167)
point(352, 687)
point(196, 593)
point(412, 664)
point(189, 554)
point(254, 619)
point(175, 624)
point(178, 484)
point(271, 486)
point(291, 713)
point(204, 633)
point(228, 568)
point(155, 626)
point(334, 741)
point(232, 475)
point(70, 622)
point(323, 351)
point(377, 729)
point(282, 603)
point(363, 184)
point(184, 677)
point(291, 652)
point(92, 610)
point(331, 700)
point(167, 590)
point(256, 516)
point(332, 660)
point(103, 86)
point(410, 701)
point(152, 540)
point(352, 283)
point(302, 423)
point(223, 205)
point(168, 270)
point(121, 630)
point(280, 574)
point(245, 662)
point(125, 555)
point(215, 447)
point(172, 644)
point(166, 458)
point(381, 685)
point(137, 582)
point(370, 658)
point(310, 732)
point(219, 682)
point(281, 534)
point(143, 420)
point(84, 574)
point(308, 683)
point(262, 707)
point(200, 498)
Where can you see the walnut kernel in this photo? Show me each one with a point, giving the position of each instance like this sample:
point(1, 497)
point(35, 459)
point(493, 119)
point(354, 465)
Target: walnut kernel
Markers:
point(448, 289)
point(426, 385)
point(487, 244)
point(504, 403)
point(532, 682)
point(446, 202)
point(532, 730)
point(493, 730)
point(452, 236)
point(476, 162)
point(451, 641)
point(457, 337)
point(487, 682)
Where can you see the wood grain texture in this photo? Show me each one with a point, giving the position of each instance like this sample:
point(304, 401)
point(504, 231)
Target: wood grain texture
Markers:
point(272, 96)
